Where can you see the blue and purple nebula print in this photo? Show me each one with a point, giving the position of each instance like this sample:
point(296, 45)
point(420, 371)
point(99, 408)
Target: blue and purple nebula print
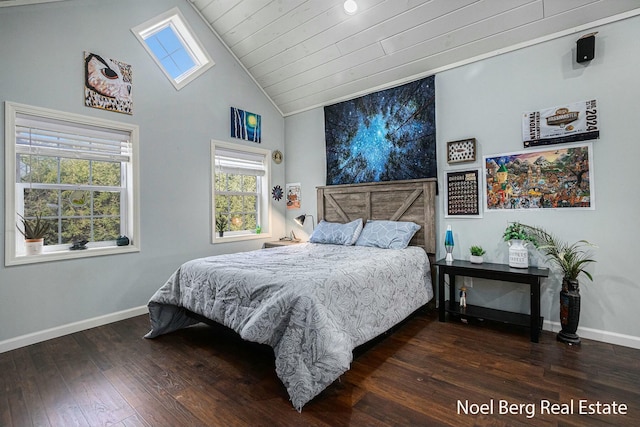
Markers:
point(386, 136)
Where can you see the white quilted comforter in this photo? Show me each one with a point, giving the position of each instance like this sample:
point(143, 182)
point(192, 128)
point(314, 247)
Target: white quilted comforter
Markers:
point(312, 303)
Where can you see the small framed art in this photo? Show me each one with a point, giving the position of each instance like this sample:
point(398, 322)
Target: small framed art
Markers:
point(460, 151)
point(463, 194)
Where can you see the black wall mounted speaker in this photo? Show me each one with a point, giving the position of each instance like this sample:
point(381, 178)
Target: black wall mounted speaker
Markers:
point(586, 47)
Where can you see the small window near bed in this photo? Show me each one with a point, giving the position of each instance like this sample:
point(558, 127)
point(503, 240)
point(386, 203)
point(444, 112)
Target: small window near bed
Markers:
point(240, 192)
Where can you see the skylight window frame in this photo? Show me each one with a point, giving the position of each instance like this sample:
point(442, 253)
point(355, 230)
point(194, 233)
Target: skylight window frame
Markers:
point(174, 19)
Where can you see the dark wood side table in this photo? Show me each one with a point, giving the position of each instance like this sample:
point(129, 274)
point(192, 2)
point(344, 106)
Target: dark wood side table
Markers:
point(531, 276)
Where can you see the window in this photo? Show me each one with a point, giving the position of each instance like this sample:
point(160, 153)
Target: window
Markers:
point(240, 191)
point(78, 173)
point(174, 47)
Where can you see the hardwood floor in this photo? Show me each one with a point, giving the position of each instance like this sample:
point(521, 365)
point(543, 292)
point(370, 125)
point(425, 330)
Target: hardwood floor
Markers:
point(423, 374)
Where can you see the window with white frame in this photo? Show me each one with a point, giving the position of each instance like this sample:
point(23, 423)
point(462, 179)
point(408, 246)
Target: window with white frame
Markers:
point(77, 173)
point(174, 47)
point(240, 191)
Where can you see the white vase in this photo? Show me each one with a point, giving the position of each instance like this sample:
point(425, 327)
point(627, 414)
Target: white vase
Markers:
point(475, 259)
point(33, 246)
point(518, 254)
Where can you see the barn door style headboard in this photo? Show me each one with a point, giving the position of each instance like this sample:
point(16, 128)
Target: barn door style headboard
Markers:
point(411, 200)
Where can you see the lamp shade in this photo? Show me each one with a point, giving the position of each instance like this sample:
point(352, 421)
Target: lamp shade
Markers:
point(300, 219)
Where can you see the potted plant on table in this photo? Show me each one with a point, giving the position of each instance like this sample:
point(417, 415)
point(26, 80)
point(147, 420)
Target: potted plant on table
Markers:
point(476, 254)
point(33, 230)
point(572, 260)
point(221, 224)
point(518, 237)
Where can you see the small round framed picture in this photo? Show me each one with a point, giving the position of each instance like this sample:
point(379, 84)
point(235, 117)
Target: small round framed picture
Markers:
point(463, 150)
point(277, 157)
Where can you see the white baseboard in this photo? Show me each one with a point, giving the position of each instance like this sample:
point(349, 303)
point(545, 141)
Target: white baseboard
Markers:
point(598, 335)
point(70, 328)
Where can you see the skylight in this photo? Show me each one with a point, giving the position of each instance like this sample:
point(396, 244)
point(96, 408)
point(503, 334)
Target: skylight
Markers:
point(174, 47)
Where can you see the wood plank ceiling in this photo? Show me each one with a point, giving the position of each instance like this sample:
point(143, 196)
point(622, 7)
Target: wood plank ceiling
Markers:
point(310, 53)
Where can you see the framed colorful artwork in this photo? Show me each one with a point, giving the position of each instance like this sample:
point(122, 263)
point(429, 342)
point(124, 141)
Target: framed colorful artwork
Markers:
point(463, 193)
point(294, 195)
point(246, 125)
point(559, 177)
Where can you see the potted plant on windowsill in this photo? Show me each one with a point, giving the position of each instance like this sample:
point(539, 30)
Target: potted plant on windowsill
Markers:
point(476, 254)
point(572, 260)
point(33, 230)
point(518, 238)
point(221, 224)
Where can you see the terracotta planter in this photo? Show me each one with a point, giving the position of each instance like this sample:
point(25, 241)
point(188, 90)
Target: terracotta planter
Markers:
point(34, 246)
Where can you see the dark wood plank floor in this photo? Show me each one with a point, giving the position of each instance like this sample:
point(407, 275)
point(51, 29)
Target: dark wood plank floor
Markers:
point(420, 375)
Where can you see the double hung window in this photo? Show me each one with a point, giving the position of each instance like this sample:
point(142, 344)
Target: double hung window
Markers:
point(240, 191)
point(78, 173)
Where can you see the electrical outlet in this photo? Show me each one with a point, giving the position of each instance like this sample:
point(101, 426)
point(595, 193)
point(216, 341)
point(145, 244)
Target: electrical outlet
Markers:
point(468, 282)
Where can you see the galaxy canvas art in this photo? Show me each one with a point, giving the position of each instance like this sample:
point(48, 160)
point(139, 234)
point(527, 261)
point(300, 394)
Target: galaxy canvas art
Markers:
point(385, 136)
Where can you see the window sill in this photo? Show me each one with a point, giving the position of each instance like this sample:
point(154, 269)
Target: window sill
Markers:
point(69, 254)
point(239, 237)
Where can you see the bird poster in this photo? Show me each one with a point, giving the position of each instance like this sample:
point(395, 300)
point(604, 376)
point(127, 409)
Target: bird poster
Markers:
point(107, 84)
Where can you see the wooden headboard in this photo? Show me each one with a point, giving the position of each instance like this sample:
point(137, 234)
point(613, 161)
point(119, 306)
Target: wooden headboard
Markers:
point(411, 200)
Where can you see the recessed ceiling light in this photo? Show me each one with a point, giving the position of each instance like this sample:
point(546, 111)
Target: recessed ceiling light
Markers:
point(350, 6)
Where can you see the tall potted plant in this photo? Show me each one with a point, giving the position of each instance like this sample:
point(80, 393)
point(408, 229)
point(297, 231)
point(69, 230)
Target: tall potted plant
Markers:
point(572, 260)
point(33, 231)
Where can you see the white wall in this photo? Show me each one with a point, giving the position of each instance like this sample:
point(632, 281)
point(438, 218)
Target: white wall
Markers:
point(485, 100)
point(41, 64)
point(304, 136)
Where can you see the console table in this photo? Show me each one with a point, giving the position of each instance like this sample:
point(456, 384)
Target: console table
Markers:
point(531, 276)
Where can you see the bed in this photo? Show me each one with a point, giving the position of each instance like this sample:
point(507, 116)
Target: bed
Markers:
point(313, 303)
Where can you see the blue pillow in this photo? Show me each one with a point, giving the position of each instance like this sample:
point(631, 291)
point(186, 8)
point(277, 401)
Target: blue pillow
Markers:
point(336, 233)
point(387, 234)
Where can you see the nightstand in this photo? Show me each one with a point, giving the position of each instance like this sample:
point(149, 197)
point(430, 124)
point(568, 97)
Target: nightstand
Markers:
point(278, 243)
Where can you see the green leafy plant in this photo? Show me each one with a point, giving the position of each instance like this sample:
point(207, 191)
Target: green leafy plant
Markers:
point(571, 258)
point(35, 228)
point(517, 231)
point(477, 250)
point(221, 223)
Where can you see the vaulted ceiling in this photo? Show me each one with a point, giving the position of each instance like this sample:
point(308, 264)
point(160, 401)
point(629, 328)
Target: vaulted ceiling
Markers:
point(309, 53)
